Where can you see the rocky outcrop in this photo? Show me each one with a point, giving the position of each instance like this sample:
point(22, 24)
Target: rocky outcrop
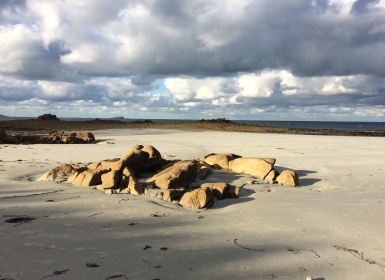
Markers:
point(137, 160)
point(219, 189)
point(152, 152)
point(171, 180)
point(134, 186)
point(257, 167)
point(233, 192)
point(87, 178)
point(110, 180)
point(61, 172)
point(56, 135)
point(83, 136)
point(179, 174)
point(20, 139)
point(48, 117)
point(199, 198)
point(219, 161)
point(271, 177)
point(171, 194)
point(204, 172)
point(53, 137)
point(288, 178)
point(112, 164)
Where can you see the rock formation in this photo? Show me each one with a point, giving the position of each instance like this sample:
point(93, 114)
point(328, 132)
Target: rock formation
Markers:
point(199, 198)
point(48, 117)
point(219, 161)
point(257, 167)
point(53, 137)
point(3, 133)
point(171, 180)
point(288, 177)
point(179, 174)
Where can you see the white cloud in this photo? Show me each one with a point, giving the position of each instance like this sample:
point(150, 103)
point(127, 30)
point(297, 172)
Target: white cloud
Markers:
point(217, 56)
point(62, 91)
point(83, 54)
point(258, 85)
point(17, 45)
point(189, 88)
point(48, 19)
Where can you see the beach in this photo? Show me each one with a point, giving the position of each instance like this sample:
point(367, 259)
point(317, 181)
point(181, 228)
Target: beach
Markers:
point(330, 227)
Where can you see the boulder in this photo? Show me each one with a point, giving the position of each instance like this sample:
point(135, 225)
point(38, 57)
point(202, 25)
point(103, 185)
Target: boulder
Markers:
point(270, 160)
point(288, 178)
point(152, 152)
point(218, 189)
point(56, 135)
point(86, 178)
point(63, 171)
point(271, 176)
point(48, 117)
point(111, 179)
point(219, 161)
point(137, 160)
point(134, 186)
point(170, 195)
point(128, 172)
point(257, 167)
point(233, 192)
point(109, 164)
point(134, 148)
point(152, 192)
point(73, 140)
point(199, 198)
point(65, 139)
point(204, 172)
point(179, 174)
point(85, 136)
point(125, 180)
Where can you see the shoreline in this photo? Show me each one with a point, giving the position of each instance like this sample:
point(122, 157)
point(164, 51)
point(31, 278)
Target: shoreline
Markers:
point(330, 227)
point(45, 126)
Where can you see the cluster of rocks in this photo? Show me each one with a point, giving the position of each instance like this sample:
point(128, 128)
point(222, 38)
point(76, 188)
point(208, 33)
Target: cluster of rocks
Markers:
point(169, 180)
point(53, 137)
point(48, 117)
point(218, 120)
point(81, 137)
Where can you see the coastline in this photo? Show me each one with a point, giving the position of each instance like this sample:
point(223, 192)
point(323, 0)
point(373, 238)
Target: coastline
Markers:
point(331, 227)
point(44, 126)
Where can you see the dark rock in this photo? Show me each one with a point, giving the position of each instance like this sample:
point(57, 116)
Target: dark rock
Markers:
point(48, 117)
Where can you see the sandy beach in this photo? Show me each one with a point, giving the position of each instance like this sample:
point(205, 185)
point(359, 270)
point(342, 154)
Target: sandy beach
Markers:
point(331, 227)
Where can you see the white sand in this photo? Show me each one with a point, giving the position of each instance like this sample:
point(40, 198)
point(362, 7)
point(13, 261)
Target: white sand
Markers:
point(331, 227)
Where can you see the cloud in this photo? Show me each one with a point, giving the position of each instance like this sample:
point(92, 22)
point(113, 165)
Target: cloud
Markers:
point(213, 56)
point(360, 7)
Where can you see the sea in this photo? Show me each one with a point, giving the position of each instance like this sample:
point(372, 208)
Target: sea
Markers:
point(336, 125)
point(363, 126)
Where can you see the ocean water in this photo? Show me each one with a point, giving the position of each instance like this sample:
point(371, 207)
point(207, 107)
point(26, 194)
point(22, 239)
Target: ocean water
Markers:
point(361, 126)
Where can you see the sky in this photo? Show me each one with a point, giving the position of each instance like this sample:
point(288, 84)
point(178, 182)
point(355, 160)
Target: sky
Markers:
point(194, 59)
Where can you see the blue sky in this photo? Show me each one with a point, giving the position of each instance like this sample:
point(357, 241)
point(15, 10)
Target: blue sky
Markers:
point(246, 59)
